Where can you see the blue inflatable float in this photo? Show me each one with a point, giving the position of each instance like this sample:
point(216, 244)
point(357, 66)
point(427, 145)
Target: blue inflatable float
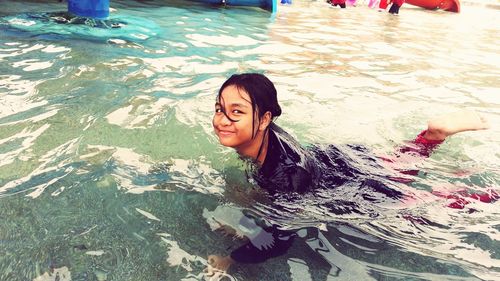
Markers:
point(99, 9)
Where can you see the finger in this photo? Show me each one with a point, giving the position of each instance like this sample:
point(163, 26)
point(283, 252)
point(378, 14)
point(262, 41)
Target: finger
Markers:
point(214, 274)
point(211, 260)
point(217, 276)
point(208, 272)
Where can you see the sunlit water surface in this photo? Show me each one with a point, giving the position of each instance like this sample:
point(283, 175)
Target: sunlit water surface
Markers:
point(109, 169)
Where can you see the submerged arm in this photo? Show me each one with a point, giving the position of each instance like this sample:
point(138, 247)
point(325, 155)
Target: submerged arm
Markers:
point(268, 243)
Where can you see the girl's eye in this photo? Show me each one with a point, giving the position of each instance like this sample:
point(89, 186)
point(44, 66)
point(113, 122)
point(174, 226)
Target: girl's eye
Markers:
point(237, 111)
point(218, 110)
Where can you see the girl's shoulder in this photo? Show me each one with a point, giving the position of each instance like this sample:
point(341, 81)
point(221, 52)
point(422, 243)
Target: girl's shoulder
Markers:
point(286, 167)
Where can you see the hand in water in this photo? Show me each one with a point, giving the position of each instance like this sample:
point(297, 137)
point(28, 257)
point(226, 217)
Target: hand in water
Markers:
point(218, 265)
point(262, 240)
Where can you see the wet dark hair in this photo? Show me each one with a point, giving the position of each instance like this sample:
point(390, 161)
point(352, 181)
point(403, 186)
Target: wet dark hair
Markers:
point(263, 94)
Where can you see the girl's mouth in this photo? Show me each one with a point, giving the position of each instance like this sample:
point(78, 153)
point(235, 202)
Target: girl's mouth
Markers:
point(225, 133)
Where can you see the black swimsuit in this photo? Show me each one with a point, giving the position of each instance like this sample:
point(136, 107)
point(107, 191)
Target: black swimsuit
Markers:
point(287, 166)
point(291, 168)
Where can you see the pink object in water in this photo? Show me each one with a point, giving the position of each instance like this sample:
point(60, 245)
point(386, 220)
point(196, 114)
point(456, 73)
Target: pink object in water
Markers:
point(350, 2)
point(373, 3)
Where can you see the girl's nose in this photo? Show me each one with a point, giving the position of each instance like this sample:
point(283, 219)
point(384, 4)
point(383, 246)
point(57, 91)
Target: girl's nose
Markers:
point(224, 120)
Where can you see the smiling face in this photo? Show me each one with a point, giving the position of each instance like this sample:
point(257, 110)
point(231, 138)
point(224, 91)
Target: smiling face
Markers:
point(234, 121)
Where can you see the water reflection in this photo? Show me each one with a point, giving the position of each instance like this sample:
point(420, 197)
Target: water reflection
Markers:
point(108, 162)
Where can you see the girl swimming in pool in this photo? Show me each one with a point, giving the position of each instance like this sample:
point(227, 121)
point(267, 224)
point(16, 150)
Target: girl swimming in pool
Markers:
point(245, 109)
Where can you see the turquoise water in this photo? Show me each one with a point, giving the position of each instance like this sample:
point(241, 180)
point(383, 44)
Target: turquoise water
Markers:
point(109, 169)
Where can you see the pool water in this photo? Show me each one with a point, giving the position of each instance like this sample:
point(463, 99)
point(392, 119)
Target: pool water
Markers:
point(109, 169)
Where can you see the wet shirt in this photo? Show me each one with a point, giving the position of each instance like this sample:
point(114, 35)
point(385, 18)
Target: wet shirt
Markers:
point(291, 168)
point(287, 166)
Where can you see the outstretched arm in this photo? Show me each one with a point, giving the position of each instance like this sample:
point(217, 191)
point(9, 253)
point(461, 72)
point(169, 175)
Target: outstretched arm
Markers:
point(268, 243)
point(263, 241)
point(441, 127)
point(438, 129)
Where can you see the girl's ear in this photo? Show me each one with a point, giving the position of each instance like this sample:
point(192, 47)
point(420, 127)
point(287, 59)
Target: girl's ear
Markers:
point(265, 120)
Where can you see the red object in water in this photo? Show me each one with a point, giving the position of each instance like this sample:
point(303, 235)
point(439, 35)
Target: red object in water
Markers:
point(383, 4)
point(447, 5)
point(459, 200)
